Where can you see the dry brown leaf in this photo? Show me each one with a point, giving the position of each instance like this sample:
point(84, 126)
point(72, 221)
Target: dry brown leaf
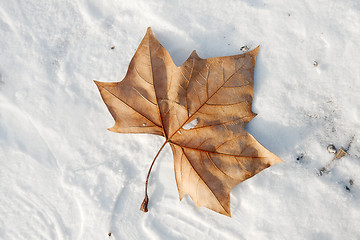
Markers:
point(201, 108)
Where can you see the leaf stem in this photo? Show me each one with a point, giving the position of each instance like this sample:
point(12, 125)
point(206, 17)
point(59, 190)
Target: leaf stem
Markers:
point(144, 204)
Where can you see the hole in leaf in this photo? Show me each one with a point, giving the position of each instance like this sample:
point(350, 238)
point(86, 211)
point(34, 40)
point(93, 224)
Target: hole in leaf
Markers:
point(191, 124)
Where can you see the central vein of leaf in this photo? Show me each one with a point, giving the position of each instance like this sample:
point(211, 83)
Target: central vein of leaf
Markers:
point(157, 99)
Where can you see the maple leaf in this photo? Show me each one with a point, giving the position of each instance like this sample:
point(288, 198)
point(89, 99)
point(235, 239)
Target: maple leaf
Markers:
point(201, 108)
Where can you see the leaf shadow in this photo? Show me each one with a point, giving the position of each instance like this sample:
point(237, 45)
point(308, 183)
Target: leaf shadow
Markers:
point(215, 42)
point(276, 137)
point(1, 80)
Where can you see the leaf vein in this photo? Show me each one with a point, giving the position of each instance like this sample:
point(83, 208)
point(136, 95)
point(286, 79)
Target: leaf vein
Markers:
point(131, 107)
point(203, 180)
point(144, 96)
point(212, 161)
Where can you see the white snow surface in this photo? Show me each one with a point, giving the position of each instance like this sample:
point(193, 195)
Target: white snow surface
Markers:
point(64, 176)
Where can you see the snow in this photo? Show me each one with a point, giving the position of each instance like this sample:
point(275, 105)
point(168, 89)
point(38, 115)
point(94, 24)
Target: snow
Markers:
point(63, 176)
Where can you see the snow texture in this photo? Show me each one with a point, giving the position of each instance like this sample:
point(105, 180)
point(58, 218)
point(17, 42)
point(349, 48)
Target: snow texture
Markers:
point(63, 176)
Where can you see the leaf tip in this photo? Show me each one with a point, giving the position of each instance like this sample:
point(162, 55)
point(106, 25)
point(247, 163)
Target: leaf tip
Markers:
point(194, 55)
point(149, 31)
point(113, 129)
point(276, 160)
point(255, 51)
point(224, 211)
point(98, 84)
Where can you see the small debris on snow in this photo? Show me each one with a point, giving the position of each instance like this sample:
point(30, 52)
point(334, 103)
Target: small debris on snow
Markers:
point(301, 156)
point(339, 154)
point(244, 48)
point(351, 182)
point(348, 188)
point(331, 148)
point(315, 63)
point(113, 47)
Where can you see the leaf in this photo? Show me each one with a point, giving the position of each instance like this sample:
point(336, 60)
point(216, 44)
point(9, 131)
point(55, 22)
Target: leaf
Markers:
point(201, 108)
